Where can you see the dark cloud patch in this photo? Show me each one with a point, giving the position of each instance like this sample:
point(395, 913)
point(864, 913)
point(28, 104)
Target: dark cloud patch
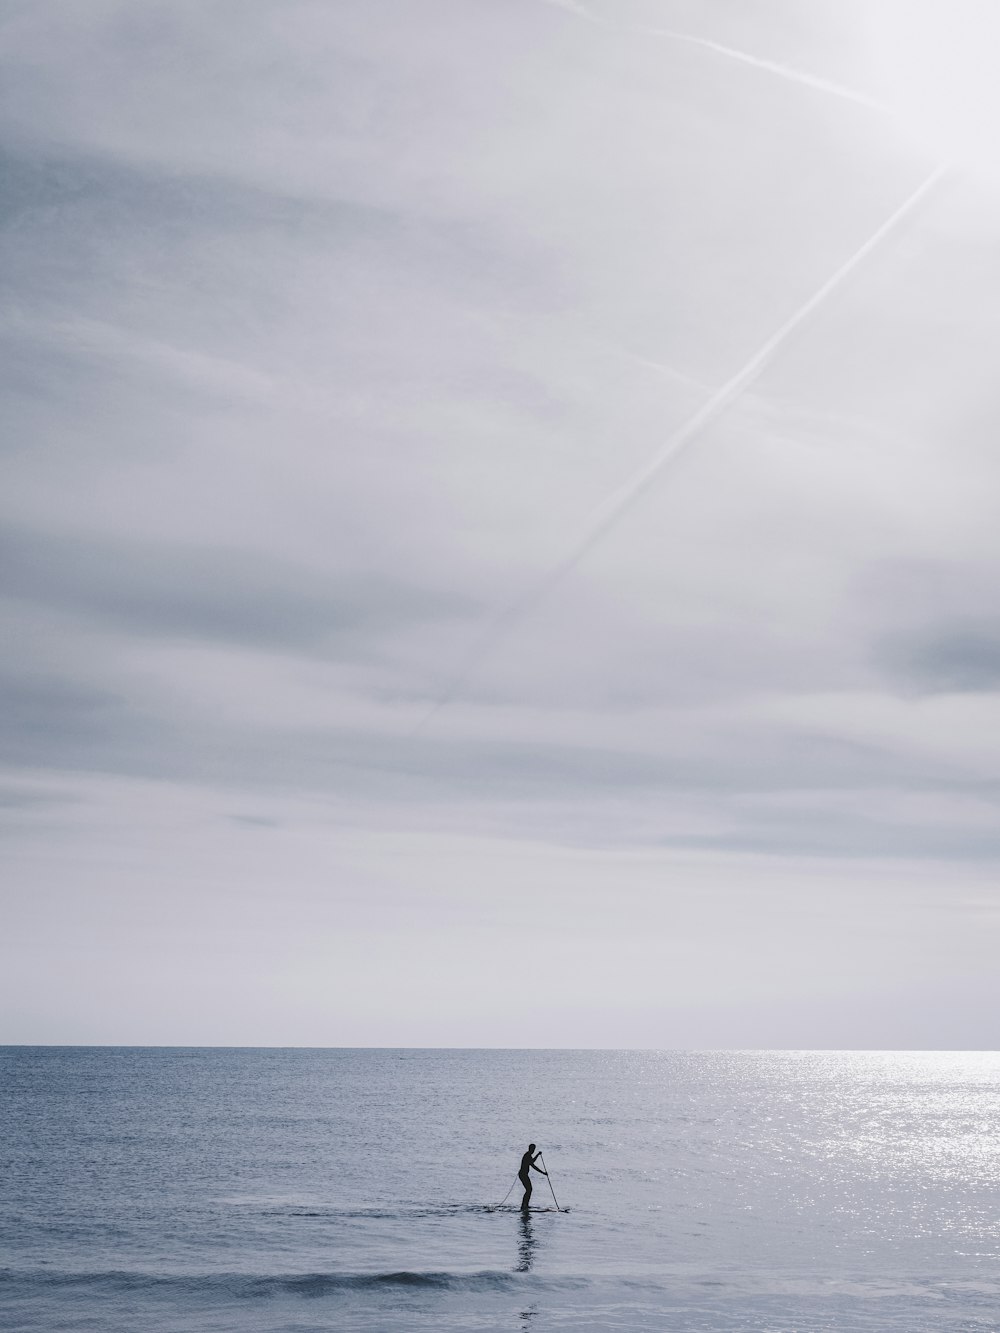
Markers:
point(45, 718)
point(213, 594)
point(254, 821)
point(80, 232)
point(22, 798)
point(960, 659)
point(934, 628)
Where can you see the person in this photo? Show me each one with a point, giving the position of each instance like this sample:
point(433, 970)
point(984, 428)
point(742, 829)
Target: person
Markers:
point(528, 1163)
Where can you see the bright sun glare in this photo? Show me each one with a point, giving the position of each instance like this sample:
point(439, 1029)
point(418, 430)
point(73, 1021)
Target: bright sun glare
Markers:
point(936, 62)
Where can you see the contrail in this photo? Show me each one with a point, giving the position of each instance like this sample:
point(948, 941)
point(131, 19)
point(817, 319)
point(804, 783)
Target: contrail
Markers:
point(620, 500)
point(789, 72)
point(771, 66)
point(571, 7)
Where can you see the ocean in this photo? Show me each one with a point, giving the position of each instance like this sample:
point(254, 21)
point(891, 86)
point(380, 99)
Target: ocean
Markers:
point(155, 1189)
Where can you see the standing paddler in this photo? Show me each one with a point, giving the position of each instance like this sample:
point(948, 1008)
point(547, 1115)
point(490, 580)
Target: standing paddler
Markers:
point(528, 1163)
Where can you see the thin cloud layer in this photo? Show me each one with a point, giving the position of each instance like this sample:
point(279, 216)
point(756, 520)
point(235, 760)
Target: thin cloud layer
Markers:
point(326, 333)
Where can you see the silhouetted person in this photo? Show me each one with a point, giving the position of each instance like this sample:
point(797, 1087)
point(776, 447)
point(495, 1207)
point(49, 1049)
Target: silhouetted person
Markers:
point(528, 1163)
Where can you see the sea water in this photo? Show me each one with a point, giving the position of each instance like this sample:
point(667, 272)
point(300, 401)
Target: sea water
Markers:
point(205, 1189)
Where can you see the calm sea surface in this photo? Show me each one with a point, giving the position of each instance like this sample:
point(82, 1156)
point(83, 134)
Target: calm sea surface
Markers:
point(172, 1189)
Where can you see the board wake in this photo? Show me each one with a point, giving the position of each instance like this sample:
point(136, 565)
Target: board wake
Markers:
point(512, 1208)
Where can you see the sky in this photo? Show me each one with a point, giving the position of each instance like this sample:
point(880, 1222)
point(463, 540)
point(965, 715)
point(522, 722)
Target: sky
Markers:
point(384, 661)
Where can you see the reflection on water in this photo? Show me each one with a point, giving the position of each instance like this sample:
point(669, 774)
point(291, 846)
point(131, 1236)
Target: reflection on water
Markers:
point(525, 1244)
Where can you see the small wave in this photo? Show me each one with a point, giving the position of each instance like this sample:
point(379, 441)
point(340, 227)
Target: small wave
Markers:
point(250, 1286)
point(333, 1213)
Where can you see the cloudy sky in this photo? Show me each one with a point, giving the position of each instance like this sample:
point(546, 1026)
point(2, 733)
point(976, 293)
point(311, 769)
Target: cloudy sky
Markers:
point(363, 683)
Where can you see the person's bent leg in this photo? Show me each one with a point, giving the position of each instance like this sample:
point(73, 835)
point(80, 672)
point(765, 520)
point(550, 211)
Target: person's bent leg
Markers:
point(527, 1194)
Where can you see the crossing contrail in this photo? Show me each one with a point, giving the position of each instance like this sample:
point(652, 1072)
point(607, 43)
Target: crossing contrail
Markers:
point(771, 67)
point(789, 72)
point(626, 495)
